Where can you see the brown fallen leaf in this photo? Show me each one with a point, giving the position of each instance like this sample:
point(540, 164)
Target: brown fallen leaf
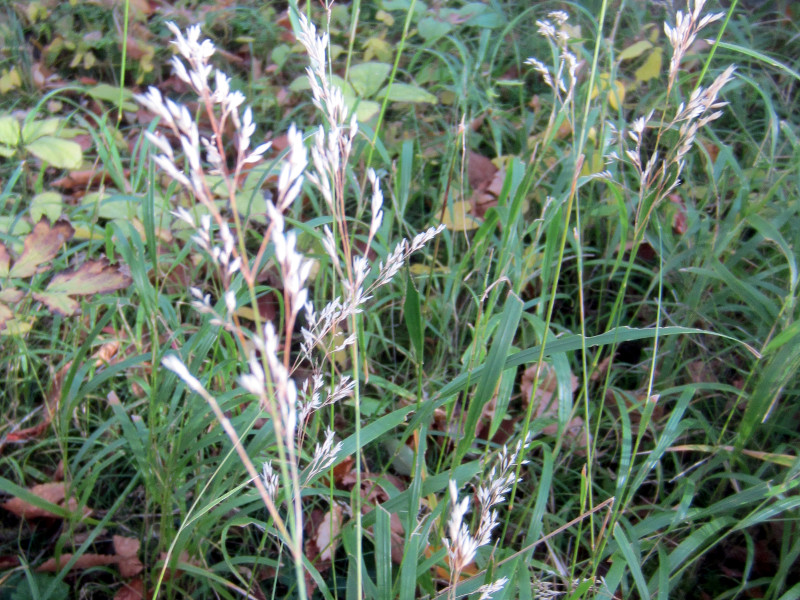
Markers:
point(51, 402)
point(41, 246)
point(54, 493)
point(545, 402)
point(133, 590)
point(327, 534)
point(92, 277)
point(85, 561)
point(127, 550)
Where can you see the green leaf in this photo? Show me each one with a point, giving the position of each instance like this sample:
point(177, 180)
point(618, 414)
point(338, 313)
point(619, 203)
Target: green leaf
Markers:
point(413, 318)
point(46, 204)
point(367, 78)
point(33, 130)
point(9, 131)
point(59, 153)
point(495, 365)
point(111, 94)
point(92, 277)
point(366, 109)
point(431, 28)
point(405, 92)
point(41, 246)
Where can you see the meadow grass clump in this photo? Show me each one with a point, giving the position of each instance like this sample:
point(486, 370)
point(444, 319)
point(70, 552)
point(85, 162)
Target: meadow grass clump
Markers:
point(568, 379)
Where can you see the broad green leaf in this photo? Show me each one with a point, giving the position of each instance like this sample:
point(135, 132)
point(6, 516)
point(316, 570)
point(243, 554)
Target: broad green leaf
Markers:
point(111, 94)
point(92, 277)
point(9, 131)
point(367, 78)
point(57, 152)
point(634, 50)
point(33, 130)
point(366, 109)
point(7, 151)
point(419, 8)
point(431, 28)
point(46, 204)
point(280, 54)
point(405, 92)
point(651, 68)
point(458, 218)
point(41, 246)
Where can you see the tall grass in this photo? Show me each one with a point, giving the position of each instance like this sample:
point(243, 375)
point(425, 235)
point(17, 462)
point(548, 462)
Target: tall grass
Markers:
point(583, 397)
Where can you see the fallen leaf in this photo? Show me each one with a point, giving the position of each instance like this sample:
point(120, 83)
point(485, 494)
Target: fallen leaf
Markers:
point(327, 534)
point(9, 562)
point(545, 402)
point(50, 406)
point(92, 277)
point(133, 590)
point(480, 171)
point(85, 561)
point(458, 217)
point(54, 493)
point(41, 246)
point(127, 550)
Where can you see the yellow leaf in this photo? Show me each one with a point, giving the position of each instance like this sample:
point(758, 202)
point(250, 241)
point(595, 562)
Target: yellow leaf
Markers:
point(651, 68)
point(595, 164)
point(634, 50)
point(424, 269)
point(385, 18)
point(10, 80)
point(616, 93)
point(457, 217)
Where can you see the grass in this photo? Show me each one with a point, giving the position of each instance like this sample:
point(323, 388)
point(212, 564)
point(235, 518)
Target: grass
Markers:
point(583, 387)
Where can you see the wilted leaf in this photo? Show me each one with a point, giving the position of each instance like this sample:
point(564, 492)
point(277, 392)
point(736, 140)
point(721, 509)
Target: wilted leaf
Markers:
point(54, 493)
point(5, 260)
point(17, 327)
point(46, 204)
point(404, 92)
point(57, 152)
point(127, 550)
point(133, 590)
point(41, 246)
point(9, 130)
point(367, 78)
point(480, 171)
point(85, 561)
point(5, 315)
point(458, 217)
point(92, 277)
point(634, 50)
point(327, 535)
point(651, 68)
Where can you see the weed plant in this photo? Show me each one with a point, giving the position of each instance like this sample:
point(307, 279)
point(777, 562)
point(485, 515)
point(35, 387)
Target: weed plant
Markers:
point(586, 392)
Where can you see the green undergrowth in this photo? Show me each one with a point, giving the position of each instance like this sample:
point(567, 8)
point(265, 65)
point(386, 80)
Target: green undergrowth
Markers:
point(643, 339)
